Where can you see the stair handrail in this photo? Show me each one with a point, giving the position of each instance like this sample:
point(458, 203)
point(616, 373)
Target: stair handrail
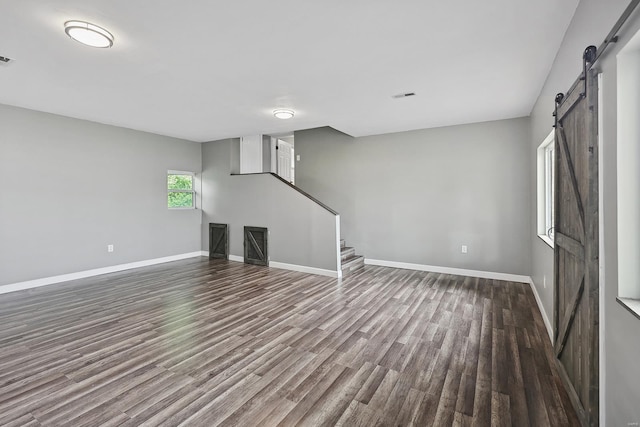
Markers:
point(305, 194)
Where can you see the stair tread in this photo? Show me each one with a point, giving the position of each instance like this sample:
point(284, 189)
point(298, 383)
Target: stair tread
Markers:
point(352, 259)
point(352, 265)
point(349, 260)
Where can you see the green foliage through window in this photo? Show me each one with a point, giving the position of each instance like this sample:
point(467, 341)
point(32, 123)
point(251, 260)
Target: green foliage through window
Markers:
point(180, 190)
point(180, 200)
point(180, 182)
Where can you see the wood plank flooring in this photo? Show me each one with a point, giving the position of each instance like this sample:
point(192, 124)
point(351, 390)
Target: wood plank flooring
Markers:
point(207, 343)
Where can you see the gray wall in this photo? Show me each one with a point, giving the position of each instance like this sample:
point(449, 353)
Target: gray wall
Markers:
point(418, 196)
point(71, 187)
point(621, 379)
point(301, 232)
point(266, 153)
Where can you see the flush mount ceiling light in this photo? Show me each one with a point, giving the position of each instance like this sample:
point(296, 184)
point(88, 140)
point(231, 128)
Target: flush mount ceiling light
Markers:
point(283, 114)
point(88, 34)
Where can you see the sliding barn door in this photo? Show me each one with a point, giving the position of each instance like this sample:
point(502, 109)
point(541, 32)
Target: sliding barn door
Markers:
point(576, 243)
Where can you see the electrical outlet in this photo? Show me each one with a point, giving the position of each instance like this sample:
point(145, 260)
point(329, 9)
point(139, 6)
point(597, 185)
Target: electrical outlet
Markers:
point(109, 248)
point(544, 282)
point(464, 249)
point(298, 157)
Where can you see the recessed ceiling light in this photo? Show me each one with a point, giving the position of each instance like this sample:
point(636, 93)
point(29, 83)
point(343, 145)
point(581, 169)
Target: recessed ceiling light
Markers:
point(88, 34)
point(283, 114)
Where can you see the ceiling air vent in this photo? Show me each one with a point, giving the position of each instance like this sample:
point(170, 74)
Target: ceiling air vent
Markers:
point(404, 95)
point(4, 60)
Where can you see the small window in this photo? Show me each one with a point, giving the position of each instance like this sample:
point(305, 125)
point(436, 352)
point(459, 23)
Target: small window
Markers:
point(546, 191)
point(180, 190)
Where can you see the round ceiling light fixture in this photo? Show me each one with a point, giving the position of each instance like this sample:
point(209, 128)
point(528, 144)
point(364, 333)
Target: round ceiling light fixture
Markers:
point(283, 113)
point(88, 34)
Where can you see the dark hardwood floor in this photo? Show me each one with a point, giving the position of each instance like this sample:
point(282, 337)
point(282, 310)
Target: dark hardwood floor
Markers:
point(221, 343)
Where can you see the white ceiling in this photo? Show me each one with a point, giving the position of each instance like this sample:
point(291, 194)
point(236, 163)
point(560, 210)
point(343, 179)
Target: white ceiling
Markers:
point(205, 70)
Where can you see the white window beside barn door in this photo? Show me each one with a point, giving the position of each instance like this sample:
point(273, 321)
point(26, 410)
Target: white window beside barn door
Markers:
point(545, 188)
point(628, 175)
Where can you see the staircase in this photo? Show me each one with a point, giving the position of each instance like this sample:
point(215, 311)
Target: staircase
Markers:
point(350, 262)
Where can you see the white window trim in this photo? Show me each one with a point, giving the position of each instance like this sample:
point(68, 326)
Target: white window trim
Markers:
point(628, 176)
point(192, 191)
point(542, 187)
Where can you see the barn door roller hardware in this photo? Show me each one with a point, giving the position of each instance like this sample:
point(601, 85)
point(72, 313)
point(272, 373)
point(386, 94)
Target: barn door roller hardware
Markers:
point(588, 59)
point(592, 54)
point(559, 99)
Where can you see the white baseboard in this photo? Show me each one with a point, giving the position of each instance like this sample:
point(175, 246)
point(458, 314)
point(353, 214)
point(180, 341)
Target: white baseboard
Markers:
point(545, 318)
point(95, 272)
point(338, 249)
point(293, 267)
point(449, 270)
point(304, 269)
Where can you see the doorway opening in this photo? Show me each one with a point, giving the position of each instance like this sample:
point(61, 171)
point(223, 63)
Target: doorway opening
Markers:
point(283, 157)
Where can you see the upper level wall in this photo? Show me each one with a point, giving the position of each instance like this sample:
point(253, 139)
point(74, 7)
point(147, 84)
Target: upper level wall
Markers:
point(71, 187)
point(418, 196)
point(301, 232)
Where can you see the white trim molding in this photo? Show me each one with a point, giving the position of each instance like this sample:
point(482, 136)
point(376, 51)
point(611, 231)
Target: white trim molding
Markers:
point(304, 269)
point(543, 312)
point(602, 355)
point(449, 270)
point(293, 267)
point(95, 272)
point(338, 248)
